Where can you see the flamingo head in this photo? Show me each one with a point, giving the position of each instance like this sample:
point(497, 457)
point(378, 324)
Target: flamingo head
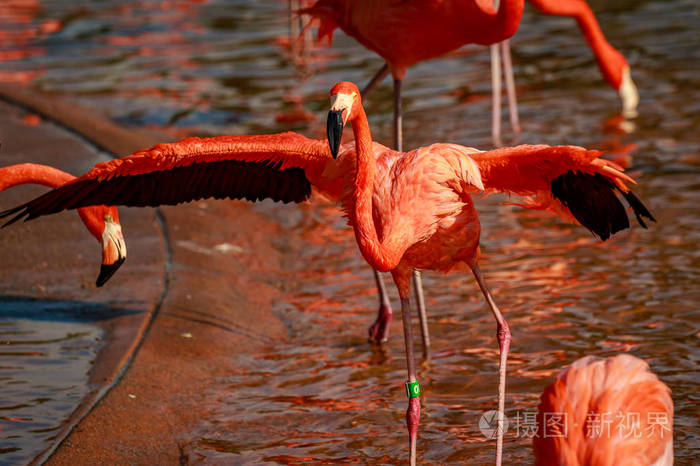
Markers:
point(345, 99)
point(103, 224)
point(628, 94)
point(616, 71)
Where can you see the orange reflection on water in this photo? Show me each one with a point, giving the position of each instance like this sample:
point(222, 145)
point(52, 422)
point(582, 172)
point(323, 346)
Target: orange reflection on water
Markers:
point(328, 404)
point(18, 32)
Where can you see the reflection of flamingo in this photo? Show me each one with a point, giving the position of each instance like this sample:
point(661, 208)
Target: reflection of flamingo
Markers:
point(599, 411)
point(408, 210)
point(101, 221)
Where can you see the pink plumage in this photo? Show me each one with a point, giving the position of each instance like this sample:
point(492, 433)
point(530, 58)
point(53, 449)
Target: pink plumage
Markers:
point(606, 412)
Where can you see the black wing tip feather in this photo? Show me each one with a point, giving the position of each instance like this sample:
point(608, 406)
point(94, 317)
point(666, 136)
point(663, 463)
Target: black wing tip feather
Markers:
point(640, 210)
point(233, 179)
point(47, 203)
point(591, 199)
point(23, 211)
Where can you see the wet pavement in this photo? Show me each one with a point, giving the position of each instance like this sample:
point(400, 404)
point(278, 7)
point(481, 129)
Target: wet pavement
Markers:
point(203, 311)
point(47, 279)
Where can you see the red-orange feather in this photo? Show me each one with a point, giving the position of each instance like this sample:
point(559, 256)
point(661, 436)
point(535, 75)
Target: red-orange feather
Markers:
point(288, 149)
point(541, 173)
point(615, 411)
point(406, 32)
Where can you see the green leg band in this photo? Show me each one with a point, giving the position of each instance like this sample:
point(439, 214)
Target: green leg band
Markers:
point(412, 389)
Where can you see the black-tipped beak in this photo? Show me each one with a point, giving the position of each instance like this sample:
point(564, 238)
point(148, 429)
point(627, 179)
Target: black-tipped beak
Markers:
point(107, 270)
point(334, 129)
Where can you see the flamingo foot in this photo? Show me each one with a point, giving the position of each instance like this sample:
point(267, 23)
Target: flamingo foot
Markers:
point(504, 338)
point(379, 330)
point(412, 419)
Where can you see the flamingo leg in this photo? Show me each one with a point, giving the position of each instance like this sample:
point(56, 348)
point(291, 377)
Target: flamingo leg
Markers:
point(376, 79)
point(510, 88)
point(304, 21)
point(495, 96)
point(398, 116)
point(504, 338)
point(422, 314)
point(403, 281)
point(379, 330)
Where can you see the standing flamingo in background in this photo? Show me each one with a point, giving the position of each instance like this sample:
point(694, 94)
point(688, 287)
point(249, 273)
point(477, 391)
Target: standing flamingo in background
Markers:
point(101, 221)
point(408, 210)
point(609, 411)
point(405, 33)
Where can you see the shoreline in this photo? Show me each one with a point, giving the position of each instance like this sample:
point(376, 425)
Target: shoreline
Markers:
point(205, 313)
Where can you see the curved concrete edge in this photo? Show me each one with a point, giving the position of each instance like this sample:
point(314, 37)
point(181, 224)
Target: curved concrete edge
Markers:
point(125, 333)
point(96, 129)
point(123, 351)
point(215, 305)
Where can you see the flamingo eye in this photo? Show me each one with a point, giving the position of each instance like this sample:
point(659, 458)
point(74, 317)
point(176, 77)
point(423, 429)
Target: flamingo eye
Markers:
point(108, 217)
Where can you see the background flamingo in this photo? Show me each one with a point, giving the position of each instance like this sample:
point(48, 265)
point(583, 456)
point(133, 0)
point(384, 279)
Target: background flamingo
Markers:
point(614, 411)
point(404, 34)
point(612, 64)
point(101, 221)
point(379, 196)
point(407, 34)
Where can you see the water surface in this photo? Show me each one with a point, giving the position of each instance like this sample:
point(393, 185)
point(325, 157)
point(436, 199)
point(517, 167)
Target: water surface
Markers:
point(325, 395)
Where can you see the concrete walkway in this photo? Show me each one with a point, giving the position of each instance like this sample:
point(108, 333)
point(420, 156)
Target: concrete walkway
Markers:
point(193, 275)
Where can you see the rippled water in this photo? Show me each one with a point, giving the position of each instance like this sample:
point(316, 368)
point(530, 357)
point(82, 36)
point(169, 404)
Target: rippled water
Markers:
point(325, 395)
point(46, 353)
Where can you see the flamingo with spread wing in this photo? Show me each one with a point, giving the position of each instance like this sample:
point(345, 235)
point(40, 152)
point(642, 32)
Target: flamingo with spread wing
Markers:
point(405, 33)
point(409, 210)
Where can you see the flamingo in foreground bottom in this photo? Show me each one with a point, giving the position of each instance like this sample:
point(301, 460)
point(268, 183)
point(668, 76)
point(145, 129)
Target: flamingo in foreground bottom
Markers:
point(101, 221)
point(600, 412)
point(408, 210)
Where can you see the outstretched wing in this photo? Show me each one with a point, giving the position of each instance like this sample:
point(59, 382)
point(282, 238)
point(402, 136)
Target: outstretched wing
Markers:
point(568, 180)
point(277, 166)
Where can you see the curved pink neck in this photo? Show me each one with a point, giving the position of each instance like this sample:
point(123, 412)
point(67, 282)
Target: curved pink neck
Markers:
point(610, 61)
point(382, 255)
point(31, 173)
